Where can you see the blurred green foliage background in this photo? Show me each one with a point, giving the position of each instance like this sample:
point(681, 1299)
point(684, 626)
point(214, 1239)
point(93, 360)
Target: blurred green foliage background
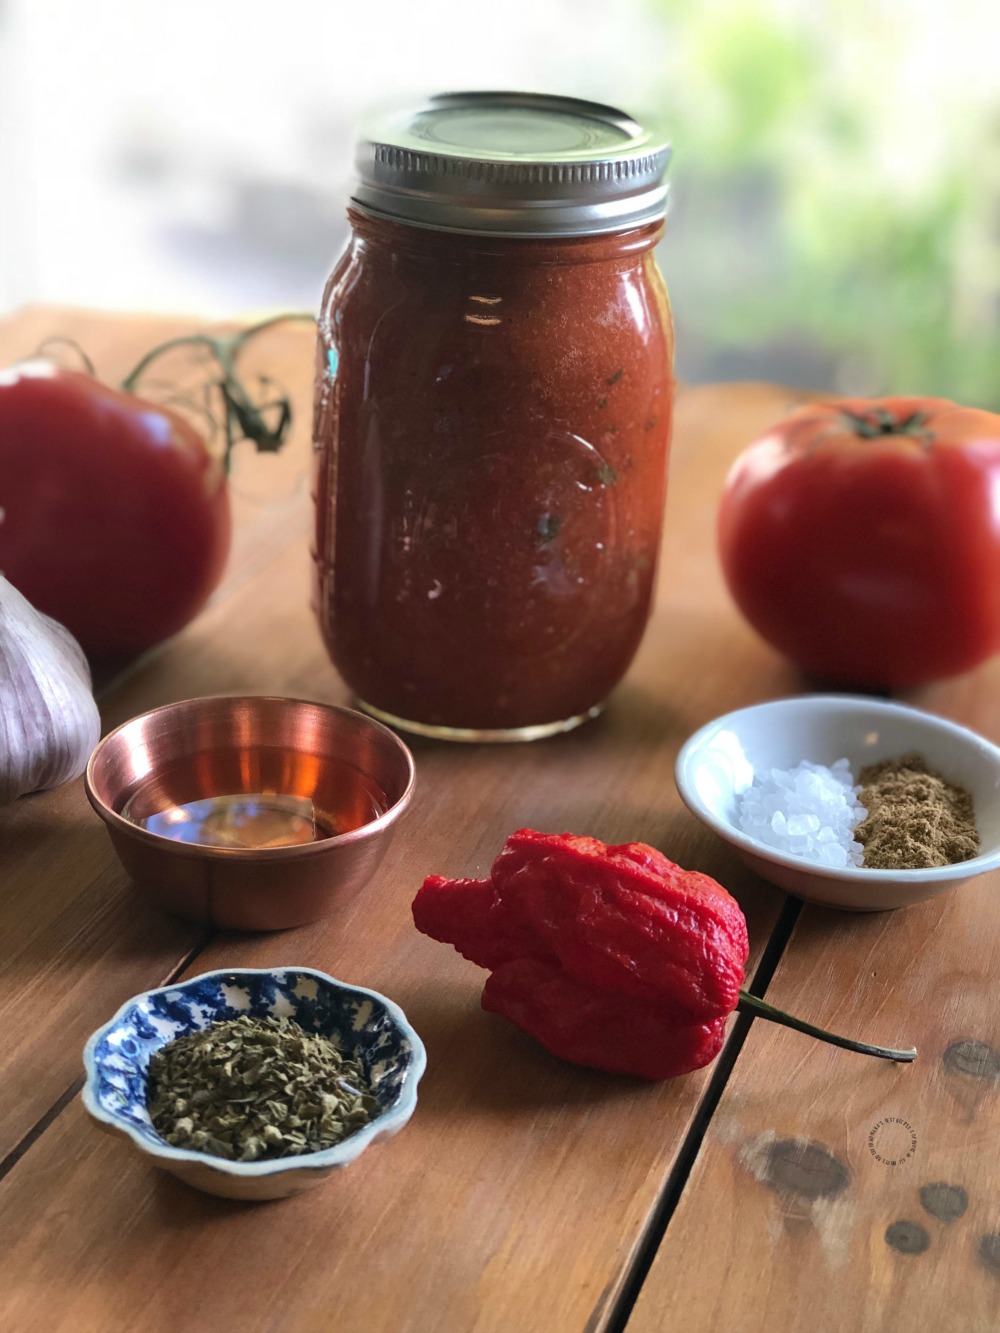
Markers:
point(836, 184)
point(835, 218)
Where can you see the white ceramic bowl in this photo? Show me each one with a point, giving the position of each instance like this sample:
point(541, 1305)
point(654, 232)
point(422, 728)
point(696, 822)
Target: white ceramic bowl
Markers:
point(720, 761)
point(361, 1021)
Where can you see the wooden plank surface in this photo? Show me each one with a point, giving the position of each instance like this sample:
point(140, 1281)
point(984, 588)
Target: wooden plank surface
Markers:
point(517, 1196)
point(827, 1181)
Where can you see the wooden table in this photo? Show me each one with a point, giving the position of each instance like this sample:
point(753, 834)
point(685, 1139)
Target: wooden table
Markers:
point(526, 1196)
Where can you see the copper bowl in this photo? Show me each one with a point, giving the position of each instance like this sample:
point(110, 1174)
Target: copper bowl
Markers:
point(349, 765)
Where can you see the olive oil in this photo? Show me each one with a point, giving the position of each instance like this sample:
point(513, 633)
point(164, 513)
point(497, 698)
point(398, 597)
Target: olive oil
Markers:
point(250, 821)
point(254, 799)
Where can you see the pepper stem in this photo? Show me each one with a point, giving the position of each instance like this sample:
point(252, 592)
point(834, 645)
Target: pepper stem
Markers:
point(752, 1004)
point(242, 416)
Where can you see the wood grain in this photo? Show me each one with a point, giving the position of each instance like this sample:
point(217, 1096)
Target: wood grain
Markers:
point(527, 1183)
point(806, 1196)
point(517, 1196)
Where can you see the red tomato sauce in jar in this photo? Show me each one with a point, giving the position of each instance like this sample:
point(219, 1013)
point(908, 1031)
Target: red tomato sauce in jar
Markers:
point(492, 425)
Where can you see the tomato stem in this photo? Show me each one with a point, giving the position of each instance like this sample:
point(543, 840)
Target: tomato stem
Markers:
point(752, 1004)
point(243, 417)
point(59, 340)
point(879, 422)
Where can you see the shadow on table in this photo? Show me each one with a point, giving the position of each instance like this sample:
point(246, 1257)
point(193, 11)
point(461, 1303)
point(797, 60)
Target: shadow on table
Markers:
point(480, 1064)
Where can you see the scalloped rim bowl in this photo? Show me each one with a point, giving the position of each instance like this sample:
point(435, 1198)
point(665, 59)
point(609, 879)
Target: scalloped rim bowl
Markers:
point(116, 1057)
point(719, 761)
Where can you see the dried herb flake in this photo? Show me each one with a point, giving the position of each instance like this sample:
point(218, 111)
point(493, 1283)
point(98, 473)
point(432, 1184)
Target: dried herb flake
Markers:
point(252, 1088)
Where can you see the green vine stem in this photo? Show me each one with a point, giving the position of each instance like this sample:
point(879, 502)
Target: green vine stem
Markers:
point(58, 340)
point(751, 1004)
point(265, 423)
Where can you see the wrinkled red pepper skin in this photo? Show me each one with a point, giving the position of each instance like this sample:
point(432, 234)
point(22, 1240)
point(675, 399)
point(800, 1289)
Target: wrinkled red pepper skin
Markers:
point(612, 957)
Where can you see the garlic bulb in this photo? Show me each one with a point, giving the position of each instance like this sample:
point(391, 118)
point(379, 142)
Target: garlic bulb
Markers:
point(48, 718)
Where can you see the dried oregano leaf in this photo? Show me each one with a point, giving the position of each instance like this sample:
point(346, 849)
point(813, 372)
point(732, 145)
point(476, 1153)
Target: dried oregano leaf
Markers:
point(252, 1088)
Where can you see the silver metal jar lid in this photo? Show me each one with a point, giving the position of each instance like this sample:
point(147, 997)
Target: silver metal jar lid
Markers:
point(524, 164)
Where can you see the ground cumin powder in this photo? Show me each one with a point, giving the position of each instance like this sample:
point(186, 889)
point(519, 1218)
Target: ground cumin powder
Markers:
point(915, 818)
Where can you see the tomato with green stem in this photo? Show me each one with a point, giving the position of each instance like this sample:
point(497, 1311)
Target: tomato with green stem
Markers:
point(861, 538)
point(114, 511)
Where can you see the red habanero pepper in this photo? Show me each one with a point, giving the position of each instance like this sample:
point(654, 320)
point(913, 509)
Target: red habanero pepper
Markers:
point(611, 957)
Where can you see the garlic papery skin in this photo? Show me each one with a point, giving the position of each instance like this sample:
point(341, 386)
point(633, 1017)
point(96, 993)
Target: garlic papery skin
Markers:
point(49, 721)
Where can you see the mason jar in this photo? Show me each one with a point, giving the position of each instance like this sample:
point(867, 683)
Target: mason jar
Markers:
point(493, 406)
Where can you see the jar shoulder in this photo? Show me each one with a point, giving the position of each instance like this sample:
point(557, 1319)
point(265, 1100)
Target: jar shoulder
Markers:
point(413, 299)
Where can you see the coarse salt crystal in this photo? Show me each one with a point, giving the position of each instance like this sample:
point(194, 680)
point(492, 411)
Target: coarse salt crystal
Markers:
point(810, 811)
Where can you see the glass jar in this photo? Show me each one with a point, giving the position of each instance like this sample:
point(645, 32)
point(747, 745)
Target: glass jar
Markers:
point(493, 405)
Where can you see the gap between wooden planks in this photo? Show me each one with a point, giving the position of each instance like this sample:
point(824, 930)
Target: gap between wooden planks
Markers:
point(529, 1157)
point(547, 1173)
point(841, 1193)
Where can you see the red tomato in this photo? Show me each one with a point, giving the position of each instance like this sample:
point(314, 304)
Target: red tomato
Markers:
point(862, 539)
point(114, 517)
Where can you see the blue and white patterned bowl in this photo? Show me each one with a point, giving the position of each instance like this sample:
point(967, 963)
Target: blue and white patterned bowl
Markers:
point(362, 1022)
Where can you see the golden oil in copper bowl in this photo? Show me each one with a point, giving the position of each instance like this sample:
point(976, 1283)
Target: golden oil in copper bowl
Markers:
point(253, 813)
